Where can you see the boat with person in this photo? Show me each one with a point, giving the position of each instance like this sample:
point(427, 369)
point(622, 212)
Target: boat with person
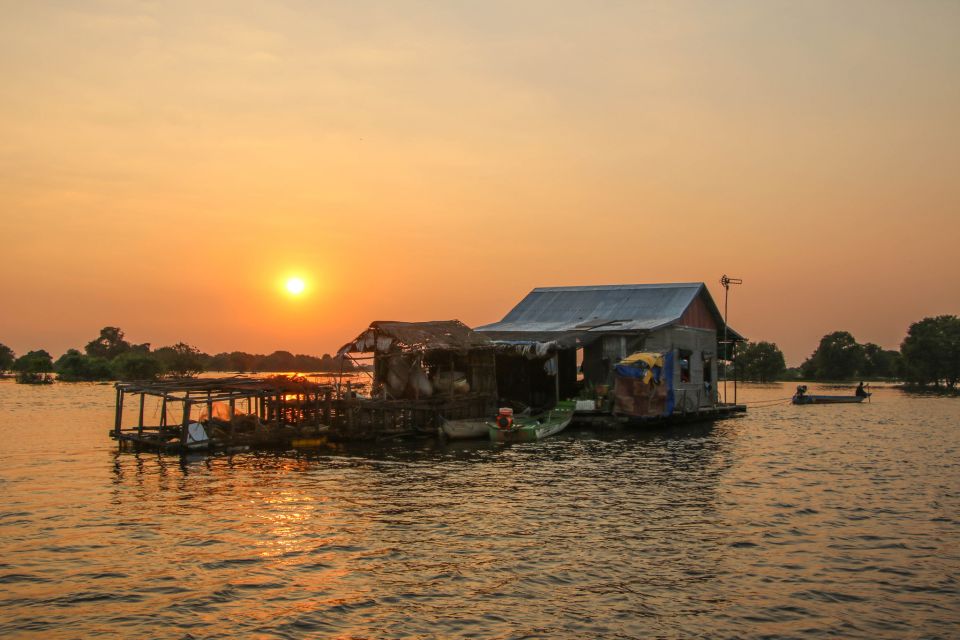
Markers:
point(802, 397)
point(510, 428)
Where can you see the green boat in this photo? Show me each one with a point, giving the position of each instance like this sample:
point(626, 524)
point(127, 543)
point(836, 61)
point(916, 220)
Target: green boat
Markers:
point(530, 429)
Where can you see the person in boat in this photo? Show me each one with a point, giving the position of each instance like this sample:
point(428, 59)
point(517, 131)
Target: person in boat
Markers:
point(801, 389)
point(861, 392)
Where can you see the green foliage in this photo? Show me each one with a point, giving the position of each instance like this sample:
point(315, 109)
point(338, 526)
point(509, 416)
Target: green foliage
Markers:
point(136, 365)
point(110, 344)
point(7, 357)
point(74, 366)
point(33, 367)
point(931, 352)
point(759, 361)
point(838, 357)
point(879, 362)
point(38, 361)
point(181, 360)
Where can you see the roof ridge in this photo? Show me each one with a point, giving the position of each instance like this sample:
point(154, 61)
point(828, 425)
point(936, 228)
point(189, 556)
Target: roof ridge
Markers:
point(606, 287)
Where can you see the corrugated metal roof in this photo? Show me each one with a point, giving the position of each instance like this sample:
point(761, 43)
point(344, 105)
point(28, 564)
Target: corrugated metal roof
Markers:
point(630, 307)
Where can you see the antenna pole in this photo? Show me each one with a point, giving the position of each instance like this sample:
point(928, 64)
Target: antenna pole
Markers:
point(726, 282)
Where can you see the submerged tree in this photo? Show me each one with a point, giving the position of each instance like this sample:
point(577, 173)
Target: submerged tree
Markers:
point(181, 360)
point(759, 361)
point(879, 362)
point(34, 367)
point(74, 366)
point(7, 357)
point(838, 357)
point(109, 345)
point(136, 365)
point(931, 352)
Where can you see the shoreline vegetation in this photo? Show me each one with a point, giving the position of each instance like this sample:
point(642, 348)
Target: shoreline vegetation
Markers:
point(928, 360)
point(110, 357)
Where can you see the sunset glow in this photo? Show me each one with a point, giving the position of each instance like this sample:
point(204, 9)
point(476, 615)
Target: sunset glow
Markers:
point(442, 162)
point(295, 286)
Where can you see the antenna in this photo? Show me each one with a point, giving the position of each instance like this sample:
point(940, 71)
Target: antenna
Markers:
point(726, 281)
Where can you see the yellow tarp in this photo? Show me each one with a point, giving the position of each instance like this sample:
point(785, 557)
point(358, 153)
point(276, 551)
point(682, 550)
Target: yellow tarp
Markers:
point(651, 359)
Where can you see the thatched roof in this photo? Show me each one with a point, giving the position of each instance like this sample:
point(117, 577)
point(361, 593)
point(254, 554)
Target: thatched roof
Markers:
point(385, 336)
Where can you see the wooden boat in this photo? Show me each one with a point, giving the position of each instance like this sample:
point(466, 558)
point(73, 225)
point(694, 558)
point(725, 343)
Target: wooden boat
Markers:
point(802, 397)
point(813, 399)
point(530, 429)
point(465, 429)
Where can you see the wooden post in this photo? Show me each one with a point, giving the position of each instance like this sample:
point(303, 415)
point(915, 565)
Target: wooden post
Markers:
point(186, 423)
point(556, 377)
point(118, 411)
point(143, 398)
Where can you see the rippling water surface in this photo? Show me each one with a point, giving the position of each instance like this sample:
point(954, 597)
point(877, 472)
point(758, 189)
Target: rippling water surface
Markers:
point(788, 522)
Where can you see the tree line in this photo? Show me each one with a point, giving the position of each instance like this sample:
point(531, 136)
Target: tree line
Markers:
point(111, 357)
point(929, 356)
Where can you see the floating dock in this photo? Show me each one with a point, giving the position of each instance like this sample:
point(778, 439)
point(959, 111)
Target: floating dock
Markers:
point(278, 412)
point(606, 419)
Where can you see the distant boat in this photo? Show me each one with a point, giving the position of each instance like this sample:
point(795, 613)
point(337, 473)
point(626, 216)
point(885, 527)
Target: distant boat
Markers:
point(465, 429)
point(529, 429)
point(802, 397)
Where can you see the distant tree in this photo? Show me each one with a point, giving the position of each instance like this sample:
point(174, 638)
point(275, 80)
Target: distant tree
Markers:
point(931, 352)
point(181, 360)
point(759, 361)
point(109, 345)
point(74, 366)
point(219, 362)
point(838, 357)
point(879, 362)
point(792, 373)
point(243, 362)
point(33, 367)
point(7, 357)
point(278, 361)
point(136, 365)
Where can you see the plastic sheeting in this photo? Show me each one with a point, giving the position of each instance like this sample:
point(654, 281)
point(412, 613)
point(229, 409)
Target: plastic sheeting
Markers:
point(644, 386)
point(644, 366)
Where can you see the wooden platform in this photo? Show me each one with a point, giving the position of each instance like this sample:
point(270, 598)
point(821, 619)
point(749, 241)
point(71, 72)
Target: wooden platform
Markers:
point(279, 412)
point(606, 419)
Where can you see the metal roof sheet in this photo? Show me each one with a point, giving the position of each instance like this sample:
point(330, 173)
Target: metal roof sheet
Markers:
point(632, 307)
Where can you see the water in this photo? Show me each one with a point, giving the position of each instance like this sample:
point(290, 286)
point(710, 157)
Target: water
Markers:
point(789, 522)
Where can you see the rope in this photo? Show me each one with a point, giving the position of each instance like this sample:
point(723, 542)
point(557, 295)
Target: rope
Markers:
point(768, 403)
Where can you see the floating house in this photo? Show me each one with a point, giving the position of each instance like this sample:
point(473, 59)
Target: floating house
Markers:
point(429, 369)
point(626, 351)
point(577, 341)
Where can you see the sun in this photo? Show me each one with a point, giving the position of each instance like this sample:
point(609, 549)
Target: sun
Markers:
point(296, 286)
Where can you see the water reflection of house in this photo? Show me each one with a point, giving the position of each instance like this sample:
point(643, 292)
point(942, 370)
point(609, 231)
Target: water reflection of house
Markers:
point(582, 333)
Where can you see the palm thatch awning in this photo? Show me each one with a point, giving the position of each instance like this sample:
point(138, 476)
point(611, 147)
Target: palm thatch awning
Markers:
point(384, 336)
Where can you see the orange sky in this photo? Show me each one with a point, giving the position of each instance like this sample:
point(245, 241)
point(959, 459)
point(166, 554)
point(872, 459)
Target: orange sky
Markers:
point(164, 165)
